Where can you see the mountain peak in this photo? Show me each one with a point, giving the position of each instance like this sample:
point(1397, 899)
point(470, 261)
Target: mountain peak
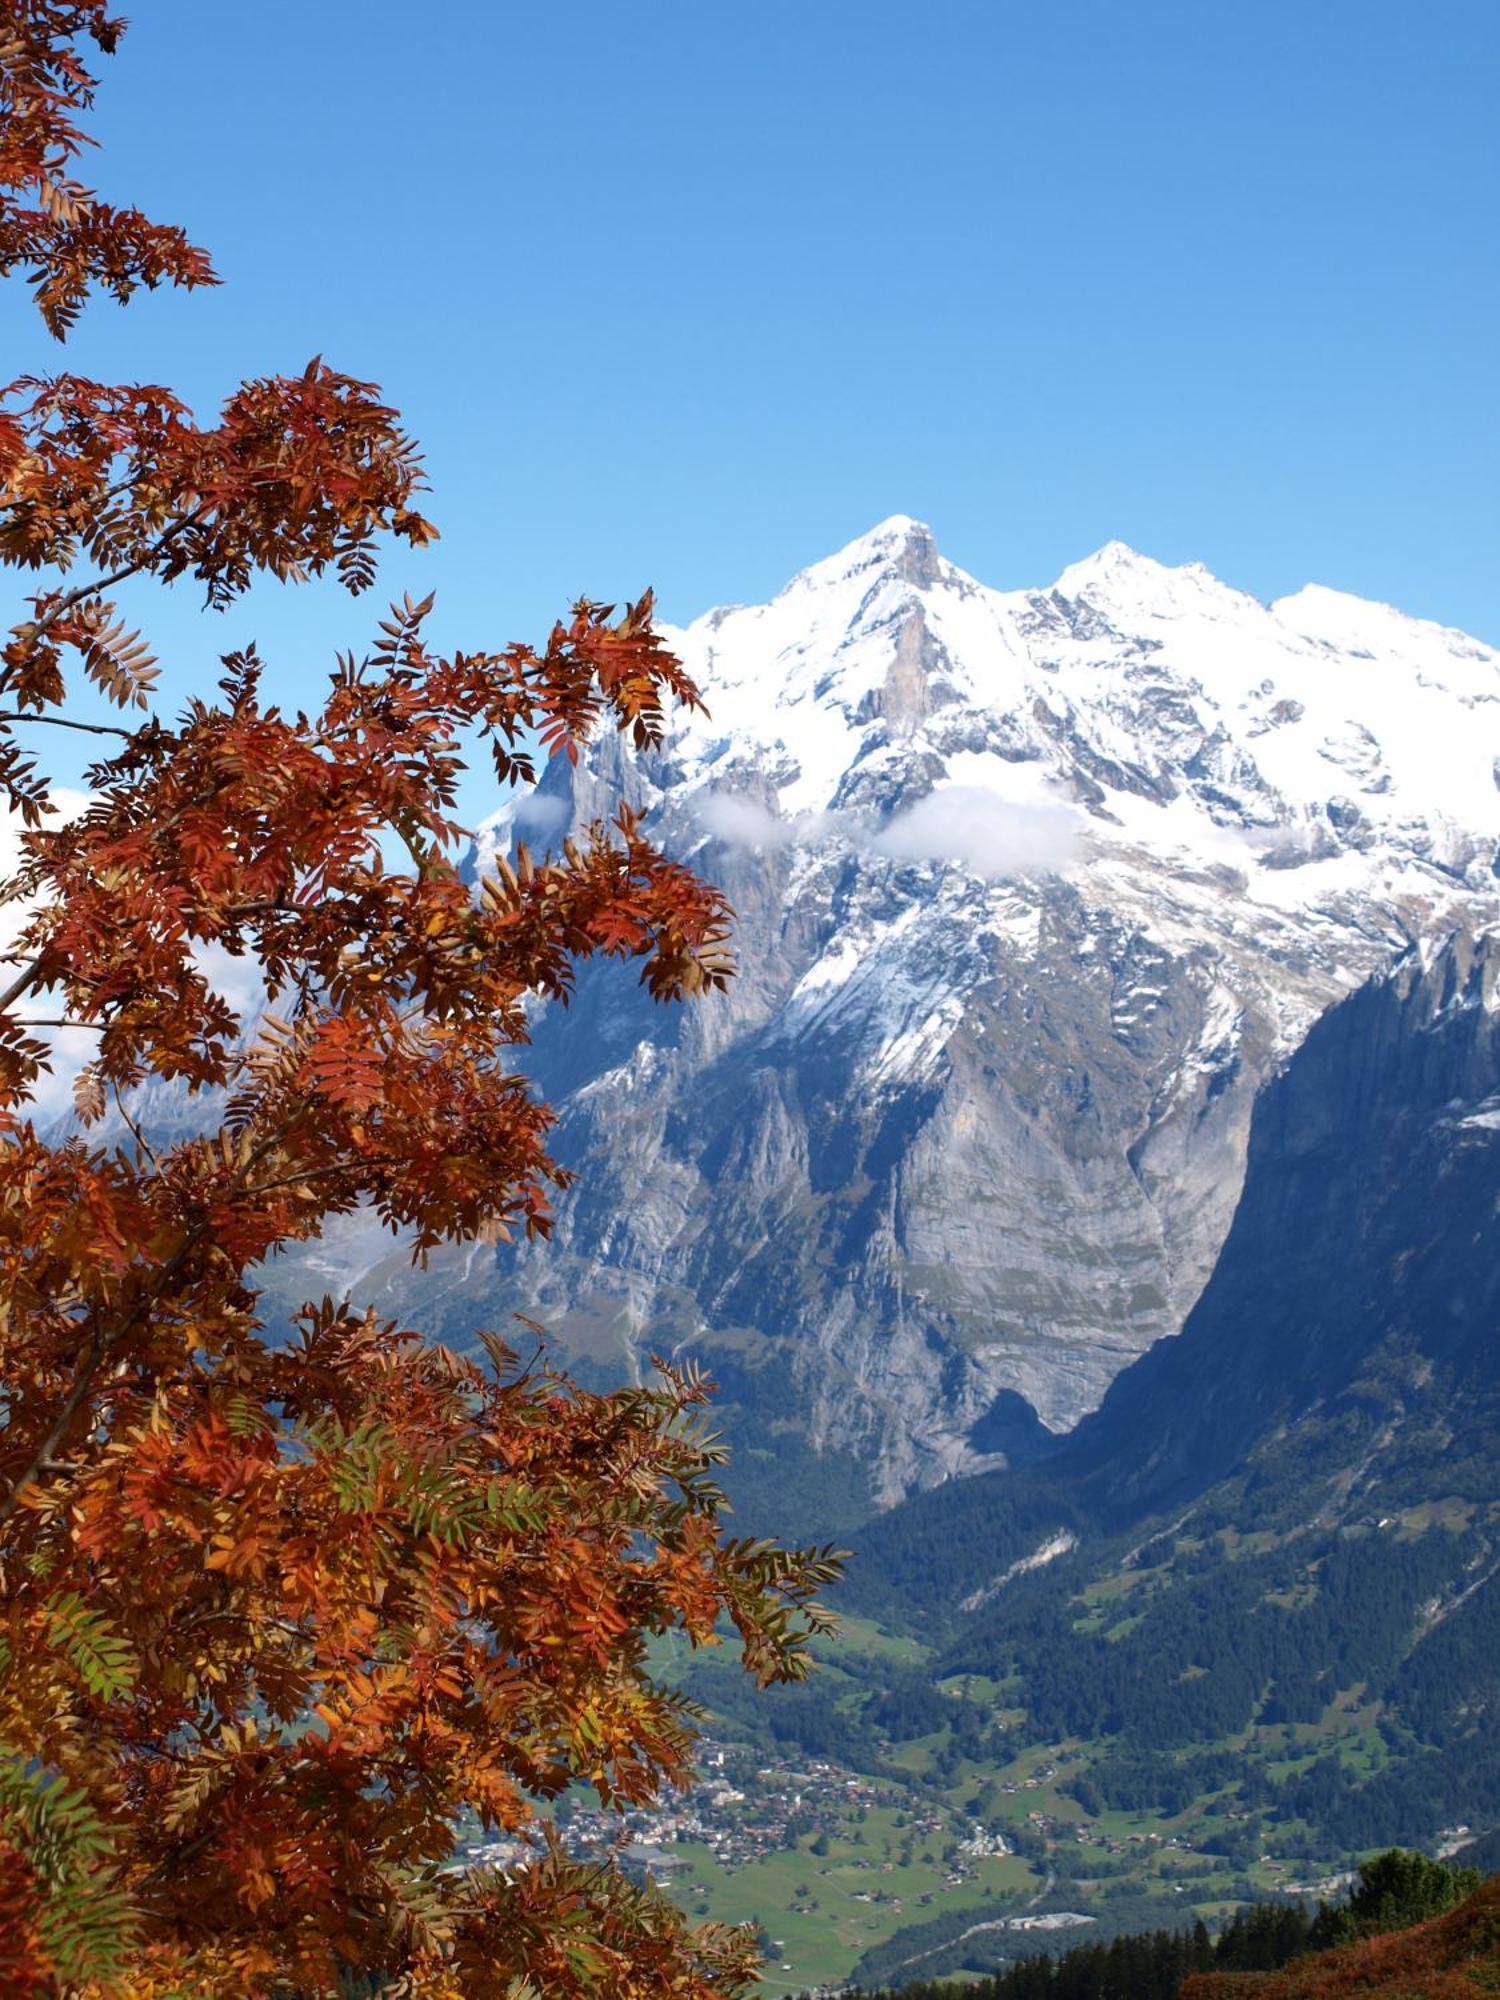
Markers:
point(1121, 580)
point(1116, 554)
point(1268, 721)
point(1115, 564)
point(898, 543)
point(894, 528)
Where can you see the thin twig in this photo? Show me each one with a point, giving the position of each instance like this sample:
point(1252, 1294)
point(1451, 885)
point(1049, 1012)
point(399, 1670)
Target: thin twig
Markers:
point(83, 591)
point(351, 1165)
point(137, 1134)
point(64, 722)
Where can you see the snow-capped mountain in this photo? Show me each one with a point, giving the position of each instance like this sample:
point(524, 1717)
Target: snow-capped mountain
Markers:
point(1035, 889)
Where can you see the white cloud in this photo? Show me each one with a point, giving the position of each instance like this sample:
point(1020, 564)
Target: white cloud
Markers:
point(744, 822)
point(964, 825)
point(988, 835)
point(236, 980)
point(539, 812)
point(65, 804)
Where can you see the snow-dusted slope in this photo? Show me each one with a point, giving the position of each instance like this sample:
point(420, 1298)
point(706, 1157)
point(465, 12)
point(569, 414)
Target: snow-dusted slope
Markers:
point(1035, 887)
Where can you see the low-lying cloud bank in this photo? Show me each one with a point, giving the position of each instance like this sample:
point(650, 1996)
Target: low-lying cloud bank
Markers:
point(963, 825)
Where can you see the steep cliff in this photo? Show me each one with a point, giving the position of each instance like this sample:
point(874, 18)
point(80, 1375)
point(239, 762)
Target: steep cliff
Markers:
point(1352, 1325)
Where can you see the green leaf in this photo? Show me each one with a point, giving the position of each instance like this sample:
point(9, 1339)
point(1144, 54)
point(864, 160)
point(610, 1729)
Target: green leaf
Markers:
point(87, 1923)
point(99, 1655)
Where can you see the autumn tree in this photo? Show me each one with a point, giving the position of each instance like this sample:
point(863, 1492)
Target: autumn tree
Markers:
point(280, 1606)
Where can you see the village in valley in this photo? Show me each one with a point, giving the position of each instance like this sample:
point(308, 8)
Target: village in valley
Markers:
point(802, 1847)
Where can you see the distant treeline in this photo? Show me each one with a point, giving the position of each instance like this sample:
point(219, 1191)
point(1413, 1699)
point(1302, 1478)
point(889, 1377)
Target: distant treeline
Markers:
point(1145, 1965)
point(1394, 1889)
point(1149, 1966)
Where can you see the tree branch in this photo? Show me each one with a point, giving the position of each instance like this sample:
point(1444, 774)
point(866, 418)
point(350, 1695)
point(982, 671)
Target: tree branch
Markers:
point(19, 984)
point(63, 722)
point(81, 592)
point(137, 1134)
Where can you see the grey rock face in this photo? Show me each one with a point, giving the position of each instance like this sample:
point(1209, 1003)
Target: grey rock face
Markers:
point(1360, 1274)
point(1034, 892)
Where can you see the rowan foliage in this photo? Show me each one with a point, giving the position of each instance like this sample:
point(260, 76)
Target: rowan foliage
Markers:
point(280, 1607)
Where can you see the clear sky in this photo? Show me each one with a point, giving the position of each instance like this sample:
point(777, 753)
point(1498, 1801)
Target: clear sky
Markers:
point(693, 293)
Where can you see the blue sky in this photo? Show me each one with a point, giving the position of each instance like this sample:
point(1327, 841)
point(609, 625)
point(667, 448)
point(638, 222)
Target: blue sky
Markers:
point(693, 293)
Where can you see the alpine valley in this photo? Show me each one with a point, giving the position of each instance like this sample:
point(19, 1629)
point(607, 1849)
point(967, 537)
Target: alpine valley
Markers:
point(1087, 1198)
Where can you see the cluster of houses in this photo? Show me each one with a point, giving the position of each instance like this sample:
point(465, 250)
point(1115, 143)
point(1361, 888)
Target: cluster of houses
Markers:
point(739, 1810)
